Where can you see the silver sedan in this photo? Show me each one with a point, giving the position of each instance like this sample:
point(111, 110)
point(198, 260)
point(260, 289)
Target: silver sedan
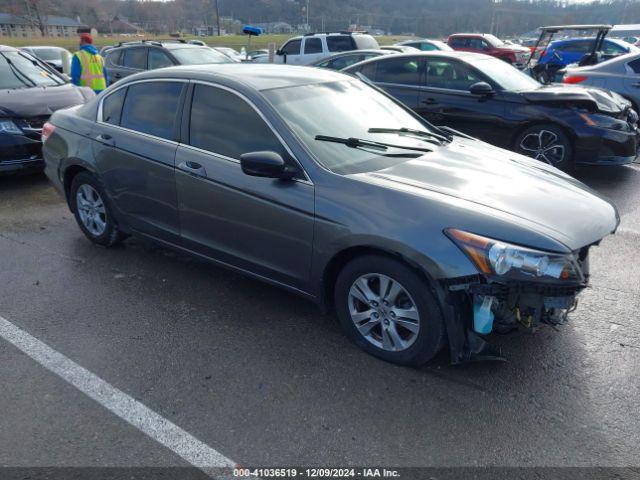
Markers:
point(620, 74)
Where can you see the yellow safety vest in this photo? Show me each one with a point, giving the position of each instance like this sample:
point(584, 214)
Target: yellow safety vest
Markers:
point(92, 71)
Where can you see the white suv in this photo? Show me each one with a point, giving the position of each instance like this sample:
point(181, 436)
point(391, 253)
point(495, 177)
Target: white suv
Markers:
point(316, 46)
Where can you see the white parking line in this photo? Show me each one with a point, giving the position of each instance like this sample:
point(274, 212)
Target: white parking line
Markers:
point(127, 408)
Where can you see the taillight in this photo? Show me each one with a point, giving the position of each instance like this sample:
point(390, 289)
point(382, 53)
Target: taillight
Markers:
point(573, 79)
point(47, 130)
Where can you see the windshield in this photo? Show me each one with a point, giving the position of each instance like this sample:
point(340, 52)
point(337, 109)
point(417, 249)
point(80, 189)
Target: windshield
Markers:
point(199, 56)
point(48, 54)
point(344, 109)
point(495, 41)
point(18, 71)
point(506, 76)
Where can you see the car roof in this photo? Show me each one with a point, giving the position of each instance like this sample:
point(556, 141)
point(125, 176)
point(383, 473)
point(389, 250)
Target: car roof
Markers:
point(253, 75)
point(168, 44)
point(428, 54)
point(588, 39)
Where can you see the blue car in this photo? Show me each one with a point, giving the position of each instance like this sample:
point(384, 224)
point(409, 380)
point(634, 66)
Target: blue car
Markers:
point(564, 52)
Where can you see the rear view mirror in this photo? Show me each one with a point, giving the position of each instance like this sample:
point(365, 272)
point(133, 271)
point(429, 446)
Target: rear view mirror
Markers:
point(481, 88)
point(265, 164)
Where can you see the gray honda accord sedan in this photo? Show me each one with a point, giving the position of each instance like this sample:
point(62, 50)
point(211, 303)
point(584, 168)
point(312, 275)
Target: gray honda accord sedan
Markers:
point(418, 237)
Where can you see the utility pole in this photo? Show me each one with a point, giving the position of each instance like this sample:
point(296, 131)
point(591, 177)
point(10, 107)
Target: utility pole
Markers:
point(217, 16)
point(307, 12)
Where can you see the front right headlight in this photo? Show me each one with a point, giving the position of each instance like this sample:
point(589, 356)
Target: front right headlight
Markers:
point(7, 126)
point(513, 262)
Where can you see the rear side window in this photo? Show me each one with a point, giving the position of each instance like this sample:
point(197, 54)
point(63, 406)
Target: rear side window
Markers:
point(292, 48)
point(215, 116)
point(313, 45)
point(158, 59)
point(340, 43)
point(405, 71)
point(151, 107)
point(135, 58)
point(112, 107)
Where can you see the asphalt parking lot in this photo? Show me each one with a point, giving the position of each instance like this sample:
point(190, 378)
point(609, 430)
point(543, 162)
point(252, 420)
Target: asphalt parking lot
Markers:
point(260, 376)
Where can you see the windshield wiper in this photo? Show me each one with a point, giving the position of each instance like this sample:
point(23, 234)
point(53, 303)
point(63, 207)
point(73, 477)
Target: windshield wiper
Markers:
point(423, 135)
point(456, 132)
point(19, 74)
point(367, 144)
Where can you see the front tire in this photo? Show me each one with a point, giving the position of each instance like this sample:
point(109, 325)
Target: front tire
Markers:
point(388, 310)
point(547, 143)
point(93, 212)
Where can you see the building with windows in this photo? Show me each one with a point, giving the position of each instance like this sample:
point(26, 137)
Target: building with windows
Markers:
point(12, 25)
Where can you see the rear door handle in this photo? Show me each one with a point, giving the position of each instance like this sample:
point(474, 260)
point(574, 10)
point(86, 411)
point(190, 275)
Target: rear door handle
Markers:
point(430, 101)
point(636, 85)
point(193, 168)
point(117, 75)
point(106, 139)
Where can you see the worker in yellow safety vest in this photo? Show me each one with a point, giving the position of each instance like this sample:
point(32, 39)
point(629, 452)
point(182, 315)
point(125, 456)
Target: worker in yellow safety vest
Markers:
point(87, 66)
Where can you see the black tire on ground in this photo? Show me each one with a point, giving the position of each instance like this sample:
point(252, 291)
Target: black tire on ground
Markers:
point(431, 334)
point(111, 234)
point(547, 143)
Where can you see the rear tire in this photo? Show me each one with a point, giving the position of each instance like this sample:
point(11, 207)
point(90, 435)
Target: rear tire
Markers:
point(388, 310)
point(547, 143)
point(93, 212)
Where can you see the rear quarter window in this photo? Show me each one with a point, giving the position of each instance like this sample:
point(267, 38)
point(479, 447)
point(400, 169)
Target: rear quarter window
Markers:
point(340, 43)
point(112, 106)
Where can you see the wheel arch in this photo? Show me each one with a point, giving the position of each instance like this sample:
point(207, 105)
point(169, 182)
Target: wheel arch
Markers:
point(70, 172)
point(341, 258)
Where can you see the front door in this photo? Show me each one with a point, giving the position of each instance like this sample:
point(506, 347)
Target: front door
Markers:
point(445, 100)
point(261, 225)
point(134, 147)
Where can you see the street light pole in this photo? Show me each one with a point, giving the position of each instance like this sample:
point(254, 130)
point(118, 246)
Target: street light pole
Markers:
point(308, 14)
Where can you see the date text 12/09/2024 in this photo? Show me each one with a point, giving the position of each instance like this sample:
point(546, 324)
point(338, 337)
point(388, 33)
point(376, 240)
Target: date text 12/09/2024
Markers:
point(316, 472)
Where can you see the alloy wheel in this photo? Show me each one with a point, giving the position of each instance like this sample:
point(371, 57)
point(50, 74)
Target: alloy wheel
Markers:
point(543, 145)
point(384, 312)
point(91, 210)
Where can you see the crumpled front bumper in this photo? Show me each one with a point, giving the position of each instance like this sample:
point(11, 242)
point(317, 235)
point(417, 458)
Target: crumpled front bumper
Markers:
point(515, 305)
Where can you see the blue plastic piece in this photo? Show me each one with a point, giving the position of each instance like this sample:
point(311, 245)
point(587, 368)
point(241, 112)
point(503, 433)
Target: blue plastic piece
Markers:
point(249, 30)
point(482, 314)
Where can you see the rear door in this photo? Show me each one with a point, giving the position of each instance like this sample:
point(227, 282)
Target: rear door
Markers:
point(445, 100)
point(130, 61)
point(261, 225)
point(312, 50)
point(134, 149)
point(401, 77)
point(631, 81)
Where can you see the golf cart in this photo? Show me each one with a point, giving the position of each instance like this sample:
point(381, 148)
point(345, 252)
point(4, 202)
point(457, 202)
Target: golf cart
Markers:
point(545, 71)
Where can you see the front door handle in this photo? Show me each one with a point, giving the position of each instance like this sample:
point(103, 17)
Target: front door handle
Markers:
point(193, 168)
point(106, 139)
point(430, 101)
point(636, 85)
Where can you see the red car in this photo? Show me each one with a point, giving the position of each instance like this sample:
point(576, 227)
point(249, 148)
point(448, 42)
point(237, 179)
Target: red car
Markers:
point(488, 44)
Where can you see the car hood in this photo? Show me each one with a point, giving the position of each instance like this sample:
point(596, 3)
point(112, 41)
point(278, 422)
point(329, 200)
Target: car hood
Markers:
point(593, 99)
point(40, 101)
point(525, 191)
point(514, 48)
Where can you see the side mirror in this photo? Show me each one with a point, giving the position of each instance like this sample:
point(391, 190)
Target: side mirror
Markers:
point(481, 88)
point(279, 52)
point(265, 164)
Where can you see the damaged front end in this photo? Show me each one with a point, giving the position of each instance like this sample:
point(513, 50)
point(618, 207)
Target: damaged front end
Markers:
point(516, 288)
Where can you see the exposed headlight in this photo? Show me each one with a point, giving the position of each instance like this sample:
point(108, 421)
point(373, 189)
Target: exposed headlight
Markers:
point(604, 121)
point(7, 126)
point(508, 261)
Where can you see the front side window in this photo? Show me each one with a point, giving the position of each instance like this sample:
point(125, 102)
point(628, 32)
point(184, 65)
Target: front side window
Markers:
point(612, 48)
point(158, 59)
point(292, 48)
point(312, 45)
point(404, 71)
point(135, 58)
point(112, 106)
point(451, 75)
point(340, 43)
point(151, 107)
point(215, 117)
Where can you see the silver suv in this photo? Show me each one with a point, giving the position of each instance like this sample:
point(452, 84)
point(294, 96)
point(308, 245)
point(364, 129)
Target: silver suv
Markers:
point(312, 47)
